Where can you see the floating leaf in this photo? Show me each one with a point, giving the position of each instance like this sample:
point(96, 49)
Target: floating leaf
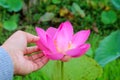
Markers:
point(15, 5)
point(3, 3)
point(10, 25)
point(76, 9)
point(109, 49)
point(47, 16)
point(12, 5)
point(116, 3)
point(108, 17)
point(84, 68)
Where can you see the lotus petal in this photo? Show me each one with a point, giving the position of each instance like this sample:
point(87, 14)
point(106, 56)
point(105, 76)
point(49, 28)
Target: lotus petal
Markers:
point(79, 51)
point(51, 31)
point(80, 37)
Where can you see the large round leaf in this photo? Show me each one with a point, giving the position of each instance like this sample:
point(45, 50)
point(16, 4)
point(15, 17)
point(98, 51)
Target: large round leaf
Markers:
point(109, 49)
point(3, 3)
point(10, 25)
point(12, 5)
point(116, 3)
point(83, 68)
point(15, 5)
point(108, 17)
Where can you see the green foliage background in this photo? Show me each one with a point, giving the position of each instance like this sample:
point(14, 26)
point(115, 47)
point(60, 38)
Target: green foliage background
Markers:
point(102, 17)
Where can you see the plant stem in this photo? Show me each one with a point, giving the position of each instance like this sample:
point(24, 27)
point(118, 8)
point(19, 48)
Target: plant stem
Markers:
point(62, 70)
point(23, 77)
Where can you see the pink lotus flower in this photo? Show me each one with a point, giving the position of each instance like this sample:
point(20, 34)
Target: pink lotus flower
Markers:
point(55, 43)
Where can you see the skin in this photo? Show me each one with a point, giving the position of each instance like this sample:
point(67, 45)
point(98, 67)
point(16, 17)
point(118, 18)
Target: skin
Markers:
point(16, 46)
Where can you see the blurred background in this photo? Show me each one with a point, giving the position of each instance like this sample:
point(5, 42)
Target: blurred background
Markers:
point(102, 17)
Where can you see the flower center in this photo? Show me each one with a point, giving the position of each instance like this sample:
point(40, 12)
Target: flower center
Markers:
point(70, 46)
point(61, 49)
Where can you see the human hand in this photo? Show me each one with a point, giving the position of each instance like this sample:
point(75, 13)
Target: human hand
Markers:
point(17, 48)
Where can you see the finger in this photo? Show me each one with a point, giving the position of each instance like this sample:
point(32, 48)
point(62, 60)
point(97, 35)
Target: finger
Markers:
point(32, 49)
point(31, 38)
point(66, 58)
point(36, 56)
point(40, 62)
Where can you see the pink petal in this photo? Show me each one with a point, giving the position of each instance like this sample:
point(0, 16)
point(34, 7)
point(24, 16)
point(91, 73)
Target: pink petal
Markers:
point(42, 43)
point(42, 34)
point(78, 51)
point(41, 46)
point(51, 31)
point(50, 44)
point(64, 35)
point(56, 56)
point(80, 37)
point(46, 44)
point(68, 29)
